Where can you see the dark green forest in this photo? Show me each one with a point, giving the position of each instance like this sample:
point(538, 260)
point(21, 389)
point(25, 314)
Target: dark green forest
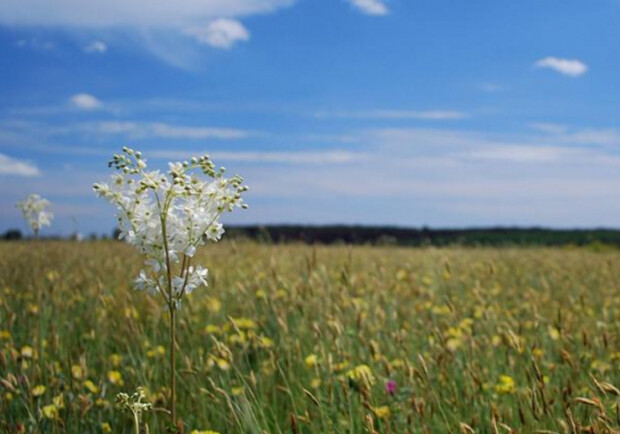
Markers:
point(378, 235)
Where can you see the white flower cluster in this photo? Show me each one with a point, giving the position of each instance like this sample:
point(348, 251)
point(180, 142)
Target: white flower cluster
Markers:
point(34, 210)
point(167, 216)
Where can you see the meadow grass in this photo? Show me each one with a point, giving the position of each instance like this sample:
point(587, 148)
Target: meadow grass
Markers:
point(315, 340)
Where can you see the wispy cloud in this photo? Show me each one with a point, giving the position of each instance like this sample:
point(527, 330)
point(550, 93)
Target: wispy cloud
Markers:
point(27, 133)
point(15, 167)
point(96, 47)
point(569, 67)
point(85, 101)
point(549, 128)
point(36, 44)
point(222, 33)
point(99, 14)
point(140, 130)
point(371, 7)
point(258, 157)
point(431, 115)
point(163, 27)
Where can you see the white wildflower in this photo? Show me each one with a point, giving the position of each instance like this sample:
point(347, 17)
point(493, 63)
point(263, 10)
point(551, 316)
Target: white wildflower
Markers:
point(167, 217)
point(34, 210)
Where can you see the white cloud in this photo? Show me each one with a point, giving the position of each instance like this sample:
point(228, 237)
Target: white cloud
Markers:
point(221, 33)
point(525, 153)
point(85, 101)
point(549, 128)
point(96, 47)
point(605, 137)
point(570, 67)
point(371, 7)
point(99, 14)
point(12, 166)
point(432, 115)
point(257, 157)
point(158, 27)
point(140, 130)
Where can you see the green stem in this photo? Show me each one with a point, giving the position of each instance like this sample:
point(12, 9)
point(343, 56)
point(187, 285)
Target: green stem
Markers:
point(136, 423)
point(173, 410)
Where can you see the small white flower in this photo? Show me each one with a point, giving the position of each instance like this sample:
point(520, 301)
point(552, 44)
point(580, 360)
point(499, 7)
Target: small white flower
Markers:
point(34, 210)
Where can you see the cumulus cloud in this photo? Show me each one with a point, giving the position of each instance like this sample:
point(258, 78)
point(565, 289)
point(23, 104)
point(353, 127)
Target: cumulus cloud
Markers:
point(370, 7)
point(85, 101)
point(13, 166)
point(96, 47)
point(569, 67)
point(221, 33)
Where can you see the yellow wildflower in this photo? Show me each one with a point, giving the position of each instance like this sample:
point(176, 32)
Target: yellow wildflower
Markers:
point(213, 329)
point(311, 360)
point(265, 342)
point(91, 386)
point(222, 364)
point(506, 385)
point(244, 323)
point(453, 344)
point(38, 390)
point(77, 372)
point(361, 374)
point(27, 352)
point(105, 427)
point(115, 377)
point(382, 412)
point(50, 411)
point(553, 333)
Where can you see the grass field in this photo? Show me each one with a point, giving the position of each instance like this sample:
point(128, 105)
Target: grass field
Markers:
point(311, 340)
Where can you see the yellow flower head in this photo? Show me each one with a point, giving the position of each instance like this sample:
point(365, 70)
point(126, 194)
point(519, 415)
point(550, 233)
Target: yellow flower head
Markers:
point(311, 360)
point(38, 390)
point(115, 377)
point(91, 386)
point(77, 372)
point(505, 385)
point(382, 412)
point(361, 374)
point(27, 352)
point(50, 411)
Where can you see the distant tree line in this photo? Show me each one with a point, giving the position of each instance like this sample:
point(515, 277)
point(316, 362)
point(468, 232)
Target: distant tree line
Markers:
point(397, 236)
point(386, 235)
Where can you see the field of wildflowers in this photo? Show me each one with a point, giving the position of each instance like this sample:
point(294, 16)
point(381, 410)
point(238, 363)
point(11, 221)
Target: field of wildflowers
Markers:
point(314, 339)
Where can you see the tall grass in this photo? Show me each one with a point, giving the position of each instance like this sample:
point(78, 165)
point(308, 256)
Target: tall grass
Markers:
point(302, 339)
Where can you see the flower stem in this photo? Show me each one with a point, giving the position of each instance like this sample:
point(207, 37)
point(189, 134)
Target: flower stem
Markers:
point(173, 372)
point(136, 423)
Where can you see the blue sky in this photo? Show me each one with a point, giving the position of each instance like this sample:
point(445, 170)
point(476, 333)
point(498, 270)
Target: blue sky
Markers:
point(401, 112)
